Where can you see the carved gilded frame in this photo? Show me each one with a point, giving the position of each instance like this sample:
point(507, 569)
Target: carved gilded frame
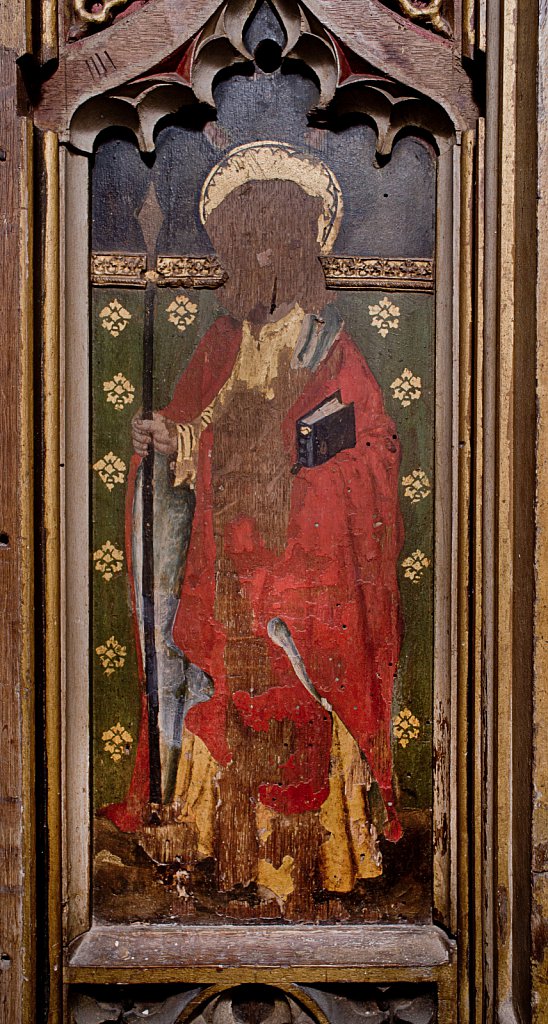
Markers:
point(490, 382)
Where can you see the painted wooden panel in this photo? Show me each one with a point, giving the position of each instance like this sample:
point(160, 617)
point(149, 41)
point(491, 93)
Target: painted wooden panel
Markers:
point(290, 774)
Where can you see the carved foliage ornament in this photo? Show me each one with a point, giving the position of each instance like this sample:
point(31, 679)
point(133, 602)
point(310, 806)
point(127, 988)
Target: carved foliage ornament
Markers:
point(101, 12)
point(98, 13)
point(254, 1004)
point(431, 13)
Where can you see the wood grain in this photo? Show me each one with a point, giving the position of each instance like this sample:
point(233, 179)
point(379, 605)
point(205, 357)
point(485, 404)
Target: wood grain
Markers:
point(134, 44)
point(420, 59)
point(508, 473)
point(540, 761)
point(308, 950)
point(16, 821)
point(514, 507)
point(50, 467)
point(107, 59)
point(432, 66)
point(463, 471)
point(444, 912)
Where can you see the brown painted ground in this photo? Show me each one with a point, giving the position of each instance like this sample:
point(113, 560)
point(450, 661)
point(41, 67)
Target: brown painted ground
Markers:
point(130, 886)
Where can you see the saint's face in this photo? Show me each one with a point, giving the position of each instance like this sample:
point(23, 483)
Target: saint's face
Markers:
point(265, 234)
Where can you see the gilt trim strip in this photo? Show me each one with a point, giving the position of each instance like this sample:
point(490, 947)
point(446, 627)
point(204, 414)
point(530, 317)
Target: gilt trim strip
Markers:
point(341, 272)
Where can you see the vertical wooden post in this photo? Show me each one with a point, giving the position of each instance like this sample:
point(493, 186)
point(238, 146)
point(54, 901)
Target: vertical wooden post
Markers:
point(16, 665)
point(51, 556)
point(539, 914)
point(508, 528)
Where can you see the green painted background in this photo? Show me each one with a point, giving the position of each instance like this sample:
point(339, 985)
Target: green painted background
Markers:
point(115, 698)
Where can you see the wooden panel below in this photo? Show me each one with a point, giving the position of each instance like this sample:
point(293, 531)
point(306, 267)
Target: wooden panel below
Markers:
point(137, 954)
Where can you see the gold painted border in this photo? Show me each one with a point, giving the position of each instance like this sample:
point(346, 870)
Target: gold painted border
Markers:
point(117, 268)
point(378, 273)
point(127, 270)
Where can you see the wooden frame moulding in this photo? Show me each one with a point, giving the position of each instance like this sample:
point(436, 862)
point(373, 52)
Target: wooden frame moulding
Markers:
point(17, 665)
point(111, 954)
point(483, 403)
point(539, 915)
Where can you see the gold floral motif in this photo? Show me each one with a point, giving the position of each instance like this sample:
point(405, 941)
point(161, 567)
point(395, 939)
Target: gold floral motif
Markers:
point(415, 566)
point(111, 655)
point(416, 486)
point(117, 741)
point(182, 312)
point(119, 391)
point(385, 316)
point(115, 318)
point(407, 388)
point(406, 727)
point(111, 470)
point(108, 560)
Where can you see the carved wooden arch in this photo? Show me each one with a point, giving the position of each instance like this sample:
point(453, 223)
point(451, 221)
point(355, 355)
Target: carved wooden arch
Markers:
point(396, 48)
point(301, 1004)
point(214, 1005)
point(273, 1004)
point(140, 105)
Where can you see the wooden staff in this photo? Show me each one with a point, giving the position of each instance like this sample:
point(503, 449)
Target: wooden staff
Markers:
point(150, 219)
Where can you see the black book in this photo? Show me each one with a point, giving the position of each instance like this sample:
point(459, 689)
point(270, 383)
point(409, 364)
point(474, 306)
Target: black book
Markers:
point(325, 431)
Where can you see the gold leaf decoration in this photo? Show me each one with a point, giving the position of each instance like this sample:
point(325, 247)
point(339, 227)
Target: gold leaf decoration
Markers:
point(430, 12)
point(385, 316)
point(111, 470)
point(406, 727)
point(407, 388)
point(118, 269)
point(341, 272)
point(415, 566)
point(111, 655)
point(108, 560)
point(416, 486)
point(114, 318)
point(117, 741)
point(119, 391)
point(182, 312)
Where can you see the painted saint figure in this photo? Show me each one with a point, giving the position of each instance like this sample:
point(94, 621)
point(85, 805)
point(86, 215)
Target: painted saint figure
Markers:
point(276, 597)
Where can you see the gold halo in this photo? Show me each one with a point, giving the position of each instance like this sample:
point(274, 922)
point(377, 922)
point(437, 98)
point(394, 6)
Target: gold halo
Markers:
point(268, 161)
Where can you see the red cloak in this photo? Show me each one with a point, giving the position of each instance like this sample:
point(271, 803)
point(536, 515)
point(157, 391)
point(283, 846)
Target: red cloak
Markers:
point(335, 585)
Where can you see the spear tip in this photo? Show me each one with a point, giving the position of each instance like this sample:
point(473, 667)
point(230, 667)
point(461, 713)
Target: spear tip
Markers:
point(150, 218)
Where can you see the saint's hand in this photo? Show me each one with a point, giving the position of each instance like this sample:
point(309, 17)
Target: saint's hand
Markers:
point(161, 431)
